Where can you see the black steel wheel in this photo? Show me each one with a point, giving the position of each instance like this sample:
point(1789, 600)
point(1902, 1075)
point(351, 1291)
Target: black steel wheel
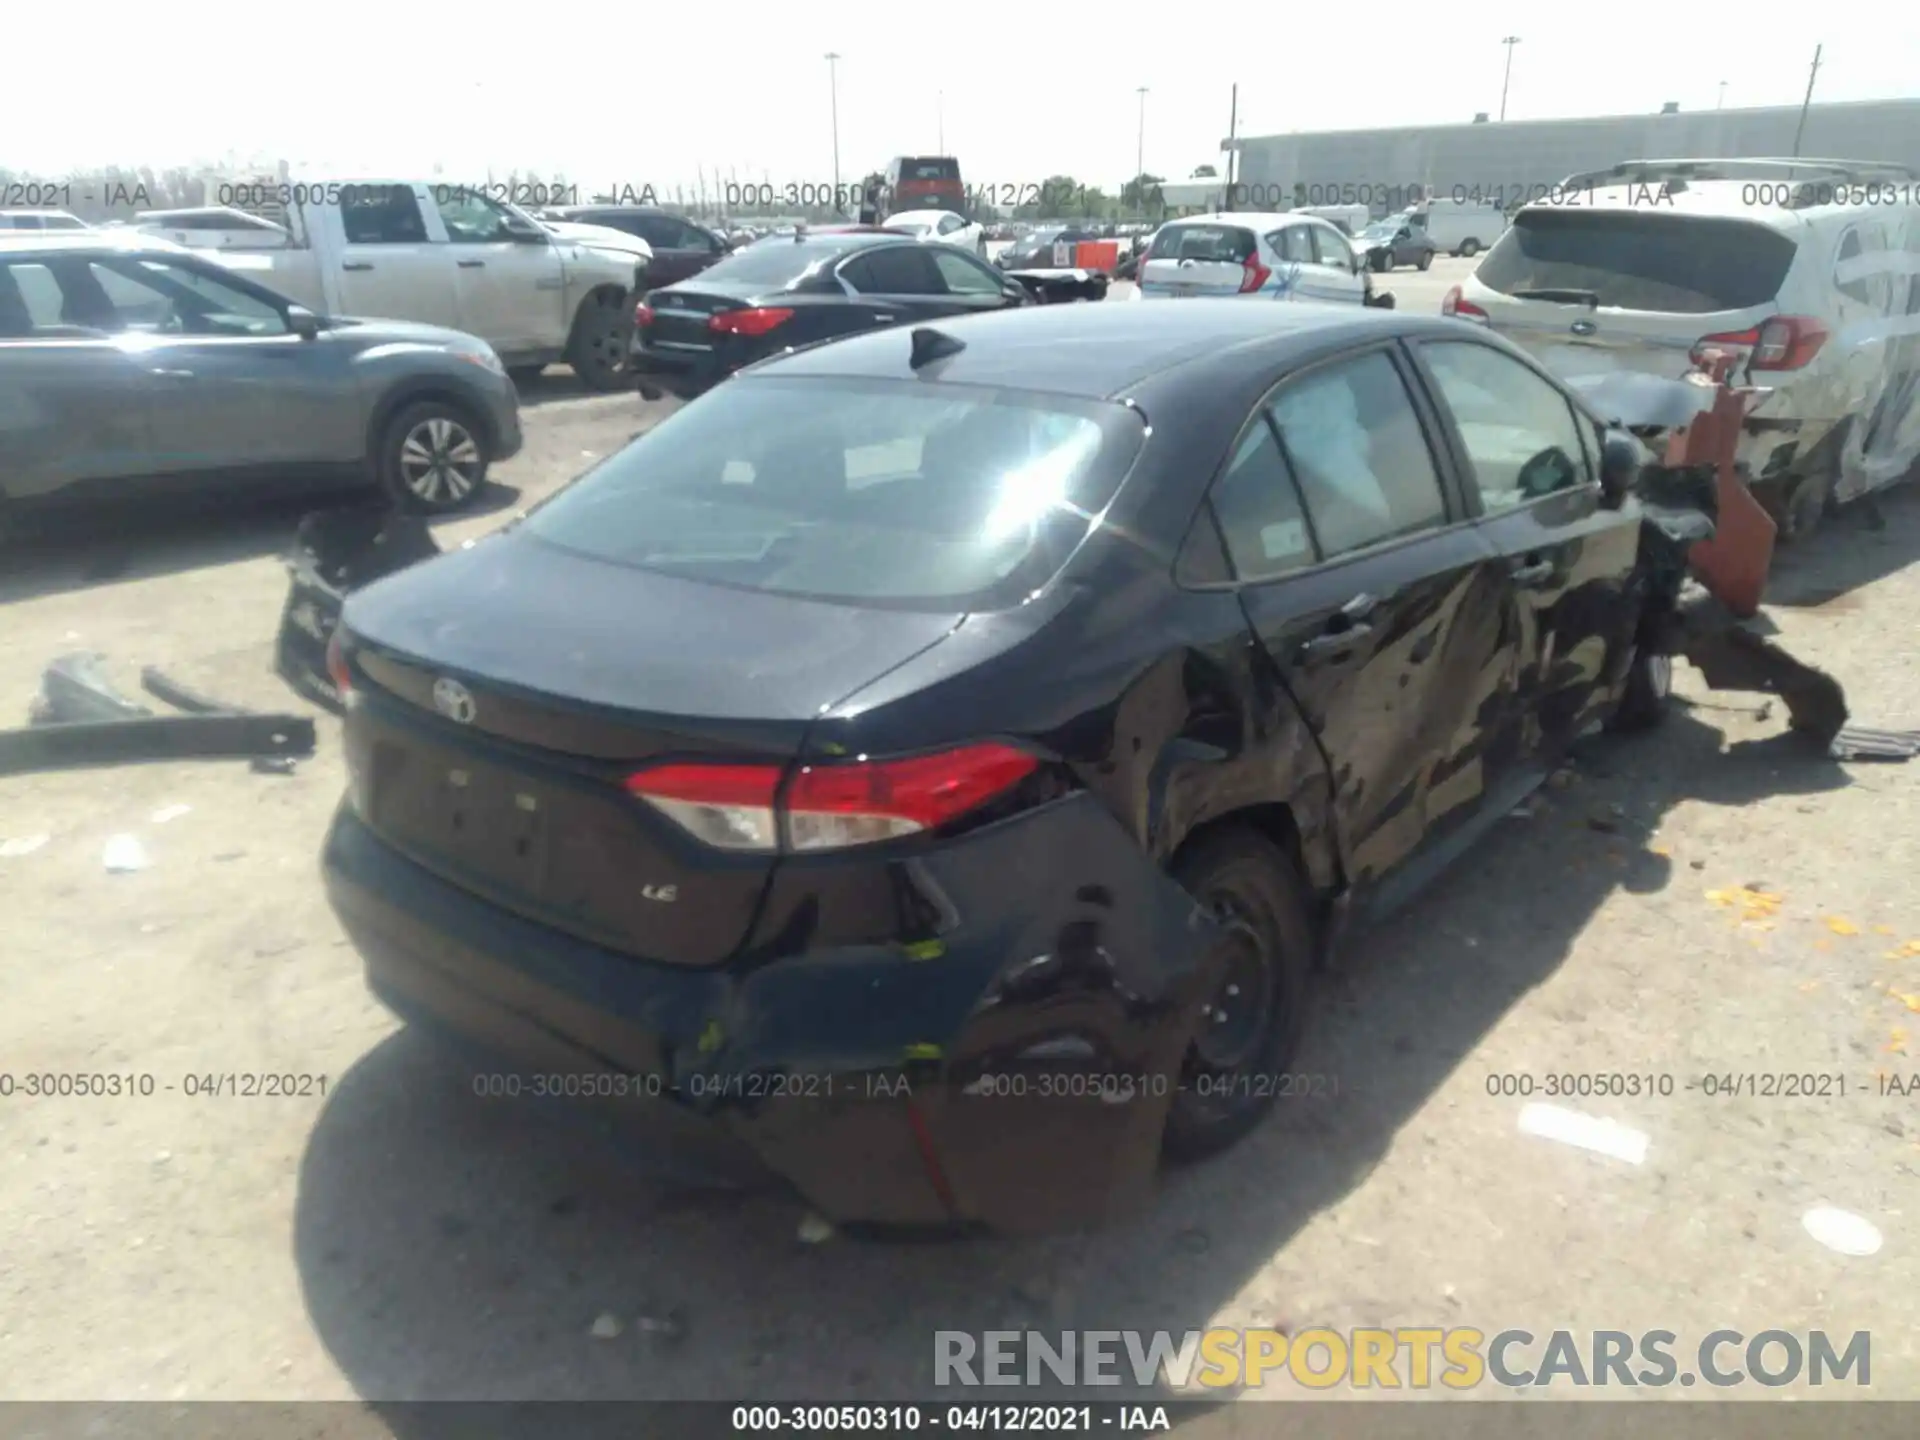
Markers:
point(1250, 1026)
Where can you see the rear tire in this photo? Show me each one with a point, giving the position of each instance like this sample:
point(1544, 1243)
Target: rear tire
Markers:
point(1425, 262)
point(1251, 1028)
point(1381, 263)
point(597, 350)
point(1468, 250)
point(431, 458)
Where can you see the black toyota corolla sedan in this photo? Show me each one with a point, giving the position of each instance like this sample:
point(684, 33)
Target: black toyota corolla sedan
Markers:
point(933, 765)
point(785, 292)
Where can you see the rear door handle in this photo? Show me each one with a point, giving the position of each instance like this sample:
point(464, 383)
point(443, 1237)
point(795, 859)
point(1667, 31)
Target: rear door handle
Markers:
point(1532, 572)
point(1335, 643)
point(356, 264)
point(473, 264)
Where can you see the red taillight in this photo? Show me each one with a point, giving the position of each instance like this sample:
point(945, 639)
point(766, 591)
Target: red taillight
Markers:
point(338, 670)
point(1254, 275)
point(1785, 342)
point(643, 315)
point(1456, 305)
point(829, 807)
point(748, 322)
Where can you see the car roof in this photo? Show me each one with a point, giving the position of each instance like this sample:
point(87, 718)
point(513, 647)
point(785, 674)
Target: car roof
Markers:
point(122, 241)
point(1253, 219)
point(1099, 350)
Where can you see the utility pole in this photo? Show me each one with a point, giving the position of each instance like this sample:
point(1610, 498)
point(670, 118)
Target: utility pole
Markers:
point(1140, 150)
point(1233, 146)
point(940, 112)
point(1721, 103)
point(833, 93)
point(1801, 129)
point(1510, 41)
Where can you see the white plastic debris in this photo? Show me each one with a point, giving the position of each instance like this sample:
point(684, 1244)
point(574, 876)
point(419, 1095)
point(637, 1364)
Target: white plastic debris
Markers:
point(124, 853)
point(1842, 1230)
point(170, 812)
point(1587, 1132)
point(21, 845)
point(607, 1327)
point(815, 1229)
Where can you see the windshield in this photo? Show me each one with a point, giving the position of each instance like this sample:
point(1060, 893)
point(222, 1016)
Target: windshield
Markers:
point(778, 260)
point(1678, 264)
point(1380, 230)
point(897, 494)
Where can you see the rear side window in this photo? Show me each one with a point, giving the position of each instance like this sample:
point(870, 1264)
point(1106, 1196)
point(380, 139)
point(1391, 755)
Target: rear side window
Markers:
point(382, 215)
point(896, 494)
point(1360, 454)
point(1675, 264)
point(1233, 243)
point(896, 270)
point(1259, 509)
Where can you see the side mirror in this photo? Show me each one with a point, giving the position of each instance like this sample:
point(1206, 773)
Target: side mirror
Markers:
point(303, 322)
point(1621, 457)
point(525, 234)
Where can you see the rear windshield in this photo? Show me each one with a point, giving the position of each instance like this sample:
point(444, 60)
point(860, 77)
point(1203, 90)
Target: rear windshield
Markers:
point(775, 261)
point(1204, 242)
point(1679, 264)
point(929, 168)
point(897, 494)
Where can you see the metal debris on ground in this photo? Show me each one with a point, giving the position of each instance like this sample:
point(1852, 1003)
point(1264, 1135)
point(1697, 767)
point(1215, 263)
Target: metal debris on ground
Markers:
point(124, 854)
point(21, 845)
point(79, 719)
point(815, 1229)
point(606, 1326)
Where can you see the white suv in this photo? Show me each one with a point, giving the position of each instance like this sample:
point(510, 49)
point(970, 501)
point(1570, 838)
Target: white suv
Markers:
point(1809, 270)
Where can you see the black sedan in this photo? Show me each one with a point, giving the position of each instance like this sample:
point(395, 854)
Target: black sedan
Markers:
point(1036, 250)
point(932, 766)
point(785, 292)
point(1388, 245)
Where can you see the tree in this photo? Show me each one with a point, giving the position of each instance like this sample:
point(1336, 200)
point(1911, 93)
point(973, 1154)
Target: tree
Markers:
point(1142, 193)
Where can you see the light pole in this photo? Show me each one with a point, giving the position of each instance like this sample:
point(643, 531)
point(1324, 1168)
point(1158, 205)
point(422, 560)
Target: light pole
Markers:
point(940, 114)
point(833, 94)
point(1721, 103)
point(1510, 41)
point(1140, 148)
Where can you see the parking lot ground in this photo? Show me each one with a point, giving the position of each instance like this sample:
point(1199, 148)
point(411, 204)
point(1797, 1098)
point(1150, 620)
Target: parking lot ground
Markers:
point(398, 1237)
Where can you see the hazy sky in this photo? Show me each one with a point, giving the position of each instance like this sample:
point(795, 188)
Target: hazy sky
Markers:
point(385, 87)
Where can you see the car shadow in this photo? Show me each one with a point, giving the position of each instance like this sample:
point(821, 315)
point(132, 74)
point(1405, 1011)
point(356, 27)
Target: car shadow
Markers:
point(50, 554)
point(557, 382)
point(1867, 541)
point(458, 1248)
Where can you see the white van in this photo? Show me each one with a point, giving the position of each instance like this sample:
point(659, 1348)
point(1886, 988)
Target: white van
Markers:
point(1457, 227)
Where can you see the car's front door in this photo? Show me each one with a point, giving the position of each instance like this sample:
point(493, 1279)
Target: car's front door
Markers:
point(510, 292)
point(1530, 460)
point(1375, 606)
point(1337, 270)
point(236, 389)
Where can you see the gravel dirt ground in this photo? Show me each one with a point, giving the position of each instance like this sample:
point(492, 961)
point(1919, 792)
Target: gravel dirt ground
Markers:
point(399, 1238)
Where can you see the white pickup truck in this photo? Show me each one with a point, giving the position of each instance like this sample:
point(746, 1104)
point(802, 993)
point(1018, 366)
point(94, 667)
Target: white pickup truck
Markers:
point(537, 292)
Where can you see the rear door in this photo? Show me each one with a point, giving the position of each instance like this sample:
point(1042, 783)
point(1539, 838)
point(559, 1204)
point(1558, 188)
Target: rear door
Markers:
point(74, 405)
point(1592, 291)
point(1198, 258)
point(1530, 462)
point(1378, 609)
point(391, 265)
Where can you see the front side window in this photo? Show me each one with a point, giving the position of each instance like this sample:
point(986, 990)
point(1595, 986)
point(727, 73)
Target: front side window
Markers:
point(1330, 249)
point(1360, 453)
point(896, 270)
point(166, 297)
point(964, 277)
point(474, 219)
point(1521, 435)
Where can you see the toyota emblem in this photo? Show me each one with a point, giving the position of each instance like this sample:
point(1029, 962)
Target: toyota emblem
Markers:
point(1584, 327)
point(453, 700)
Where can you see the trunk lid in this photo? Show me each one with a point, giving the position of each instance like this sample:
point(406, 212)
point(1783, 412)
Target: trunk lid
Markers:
point(1198, 259)
point(1596, 292)
point(680, 316)
point(507, 691)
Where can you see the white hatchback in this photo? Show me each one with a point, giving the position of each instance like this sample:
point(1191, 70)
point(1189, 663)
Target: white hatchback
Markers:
point(1808, 271)
point(1259, 256)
